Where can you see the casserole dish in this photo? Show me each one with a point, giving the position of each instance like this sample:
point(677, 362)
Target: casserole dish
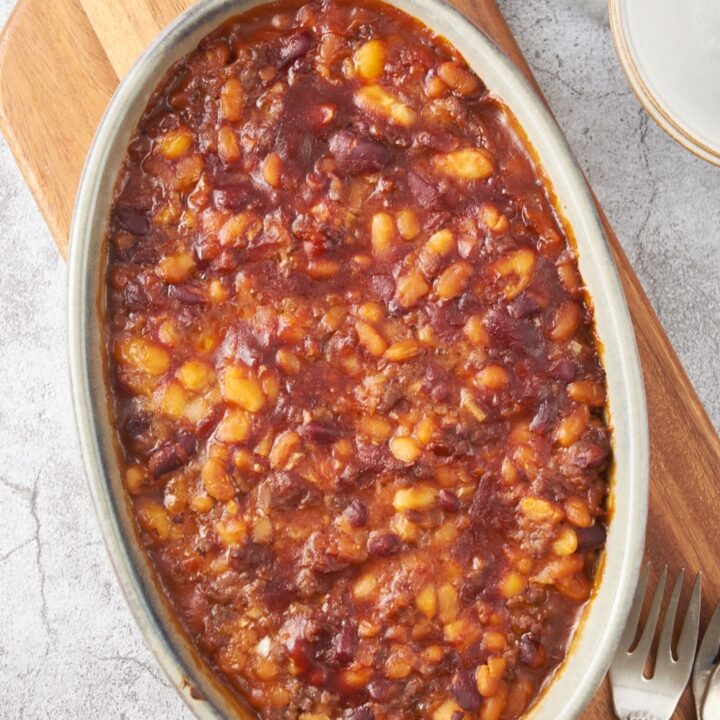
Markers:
point(566, 695)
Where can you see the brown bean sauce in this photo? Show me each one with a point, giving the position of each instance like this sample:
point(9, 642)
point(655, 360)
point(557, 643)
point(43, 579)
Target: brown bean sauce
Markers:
point(354, 373)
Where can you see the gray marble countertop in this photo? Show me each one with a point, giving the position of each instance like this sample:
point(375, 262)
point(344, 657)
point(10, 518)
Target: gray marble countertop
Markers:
point(68, 647)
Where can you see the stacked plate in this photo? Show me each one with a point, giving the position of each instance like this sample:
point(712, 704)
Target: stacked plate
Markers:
point(670, 53)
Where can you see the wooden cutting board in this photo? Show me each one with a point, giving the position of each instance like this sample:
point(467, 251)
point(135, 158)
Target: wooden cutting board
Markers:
point(60, 61)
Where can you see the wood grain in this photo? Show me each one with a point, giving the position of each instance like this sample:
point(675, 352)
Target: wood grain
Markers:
point(55, 81)
point(51, 102)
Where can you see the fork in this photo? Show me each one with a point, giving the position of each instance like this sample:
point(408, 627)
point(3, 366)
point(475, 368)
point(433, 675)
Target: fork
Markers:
point(706, 682)
point(635, 696)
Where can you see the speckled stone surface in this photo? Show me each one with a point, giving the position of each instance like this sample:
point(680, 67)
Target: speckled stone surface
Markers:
point(68, 647)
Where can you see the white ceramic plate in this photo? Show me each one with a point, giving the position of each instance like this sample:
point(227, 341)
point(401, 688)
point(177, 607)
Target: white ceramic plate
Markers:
point(670, 53)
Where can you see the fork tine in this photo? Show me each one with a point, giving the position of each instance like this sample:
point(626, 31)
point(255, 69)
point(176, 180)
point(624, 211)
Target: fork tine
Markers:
point(634, 616)
point(664, 651)
point(666, 668)
point(639, 655)
point(691, 627)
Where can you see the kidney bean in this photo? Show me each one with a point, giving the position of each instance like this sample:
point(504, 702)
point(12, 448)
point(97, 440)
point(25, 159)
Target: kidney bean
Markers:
point(278, 591)
point(423, 192)
point(187, 294)
point(187, 441)
point(563, 369)
point(196, 607)
point(136, 423)
point(465, 691)
point(243, 343)
point(437, 219)
point(521, 335)
point(473, 586)
point(381, 690)
point(446, 319)
point(233, 197)
point(249, 556)
point(141, 252)
point(391, 395)
point(356, 155)
point(587, 454)
point(345, 643)
point(322, 433)
point(383, 544)
point(132, 220)
point(441, 393)
point(502, 327)
point(524, 306)
point(545, 416)
point(294, 47)
point(226, 261)
point(209, 422)
point(321, 560)
point(448, 500)
point(285, 490)
point(166, 459)
point(452, 444)
point(528, 650)
point(134, 296)
point(317, 676)
point(356, 513)
point(370, 457)
point(591, 538)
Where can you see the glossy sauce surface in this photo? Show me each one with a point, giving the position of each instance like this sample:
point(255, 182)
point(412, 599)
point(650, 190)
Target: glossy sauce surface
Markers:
point(354, 373)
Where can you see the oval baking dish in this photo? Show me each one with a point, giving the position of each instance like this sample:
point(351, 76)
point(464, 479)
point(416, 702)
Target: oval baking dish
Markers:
point(594, 641)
